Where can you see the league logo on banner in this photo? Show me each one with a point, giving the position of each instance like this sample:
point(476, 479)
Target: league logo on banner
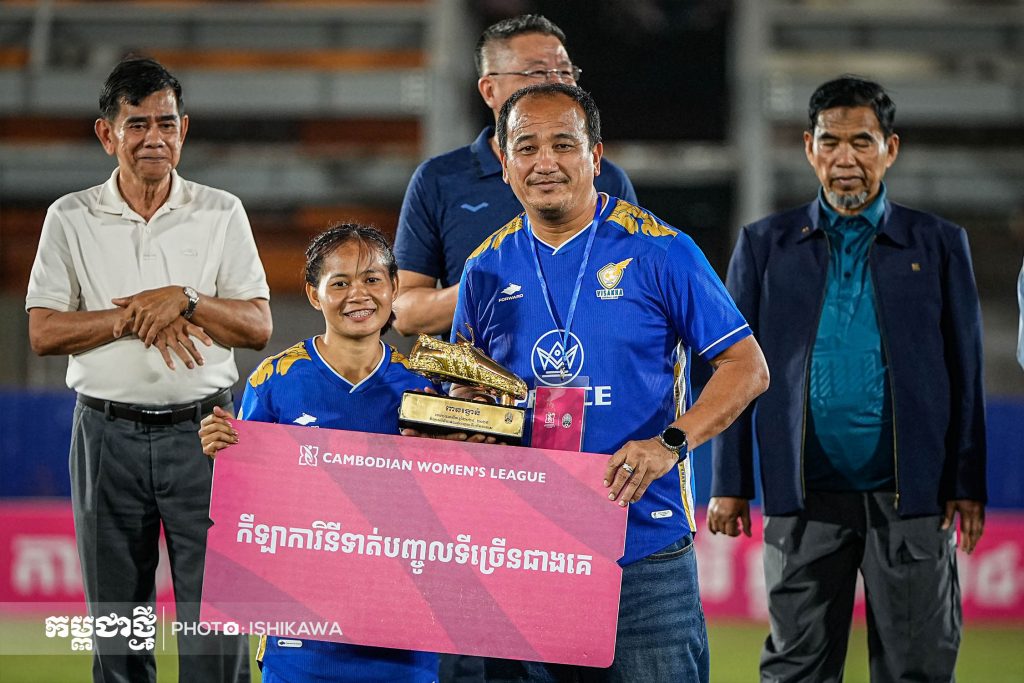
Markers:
point(416, 544)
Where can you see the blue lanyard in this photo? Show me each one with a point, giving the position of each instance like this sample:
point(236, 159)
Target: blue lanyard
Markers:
point(579, 281)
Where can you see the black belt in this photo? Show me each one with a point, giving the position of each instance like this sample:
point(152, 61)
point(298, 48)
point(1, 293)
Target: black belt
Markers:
point(157, 415)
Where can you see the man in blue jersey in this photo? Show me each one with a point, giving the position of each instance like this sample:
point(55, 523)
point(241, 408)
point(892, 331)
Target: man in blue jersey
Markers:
point(872, 437)
point(457, 199)
point(608, 292)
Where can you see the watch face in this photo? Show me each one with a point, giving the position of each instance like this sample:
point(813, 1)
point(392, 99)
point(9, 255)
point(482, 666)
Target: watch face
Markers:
point(676, 438)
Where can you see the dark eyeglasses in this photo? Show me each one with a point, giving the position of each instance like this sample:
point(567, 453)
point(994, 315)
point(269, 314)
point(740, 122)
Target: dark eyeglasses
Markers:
point(571, 73)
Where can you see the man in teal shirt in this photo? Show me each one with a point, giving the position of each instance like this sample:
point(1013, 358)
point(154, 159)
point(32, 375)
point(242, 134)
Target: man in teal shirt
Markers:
point(849, 440)
point(871, 436)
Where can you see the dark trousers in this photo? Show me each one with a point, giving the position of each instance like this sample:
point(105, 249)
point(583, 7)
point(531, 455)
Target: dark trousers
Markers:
point(811, 561)
point(127, 479)
point(661, 637)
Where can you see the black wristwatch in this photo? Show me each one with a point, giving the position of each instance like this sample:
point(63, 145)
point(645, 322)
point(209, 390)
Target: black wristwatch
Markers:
point(674, 439)
point(193, 301)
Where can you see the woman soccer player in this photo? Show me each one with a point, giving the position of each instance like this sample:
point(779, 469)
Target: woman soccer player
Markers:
point(345, 378)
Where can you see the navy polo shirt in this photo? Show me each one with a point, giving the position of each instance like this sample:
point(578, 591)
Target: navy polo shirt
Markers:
point(850, 439)
point(456, 200)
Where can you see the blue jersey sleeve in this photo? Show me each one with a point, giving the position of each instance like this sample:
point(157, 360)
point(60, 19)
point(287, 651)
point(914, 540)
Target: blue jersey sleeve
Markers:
point(418, 239)
point(254, 406)
point(465, 309)
point(703, 313)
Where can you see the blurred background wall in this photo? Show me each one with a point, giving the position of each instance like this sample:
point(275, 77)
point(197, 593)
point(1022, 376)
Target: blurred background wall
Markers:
point(315, 111)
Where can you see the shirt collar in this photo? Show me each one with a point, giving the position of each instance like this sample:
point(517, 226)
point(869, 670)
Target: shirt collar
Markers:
point(873, 213)
point(385, 359)
point(484, 159)
point(111, 201)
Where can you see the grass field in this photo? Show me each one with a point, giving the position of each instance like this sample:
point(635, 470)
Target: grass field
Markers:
point(989, 655)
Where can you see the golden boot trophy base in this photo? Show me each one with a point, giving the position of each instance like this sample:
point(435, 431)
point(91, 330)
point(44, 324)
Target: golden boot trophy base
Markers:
point(464, 364)
point(433, 414)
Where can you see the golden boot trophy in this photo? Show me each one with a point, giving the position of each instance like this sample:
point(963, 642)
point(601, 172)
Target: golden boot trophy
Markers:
point(463, 363)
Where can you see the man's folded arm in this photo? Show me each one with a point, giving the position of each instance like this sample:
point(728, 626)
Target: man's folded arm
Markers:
point(422, 308)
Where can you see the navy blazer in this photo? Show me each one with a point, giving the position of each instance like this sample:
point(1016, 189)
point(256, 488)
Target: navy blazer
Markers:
point(930, 322)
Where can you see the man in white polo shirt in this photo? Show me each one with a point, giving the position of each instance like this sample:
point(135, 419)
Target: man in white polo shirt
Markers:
point(147, 282)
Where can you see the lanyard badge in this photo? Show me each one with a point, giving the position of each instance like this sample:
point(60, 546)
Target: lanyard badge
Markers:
point(559, 411)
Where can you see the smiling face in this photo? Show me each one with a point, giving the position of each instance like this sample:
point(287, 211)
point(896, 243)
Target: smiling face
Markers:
point(354, 292)
point(146, 138)
point(548, 161)
point(850, 155)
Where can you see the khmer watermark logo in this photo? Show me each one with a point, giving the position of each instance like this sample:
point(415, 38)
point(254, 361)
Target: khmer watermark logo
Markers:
point(138, 633)
point(139, 629)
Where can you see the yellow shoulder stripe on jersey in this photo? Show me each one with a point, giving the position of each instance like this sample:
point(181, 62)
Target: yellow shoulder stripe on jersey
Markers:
point(634, 219)
point(495, 239)
point(397, 357)
point(283, 362)
point(685, 473)
point(261, 649)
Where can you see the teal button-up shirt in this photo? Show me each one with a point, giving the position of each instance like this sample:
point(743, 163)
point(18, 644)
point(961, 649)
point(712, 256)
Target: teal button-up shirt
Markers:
point(849, 445)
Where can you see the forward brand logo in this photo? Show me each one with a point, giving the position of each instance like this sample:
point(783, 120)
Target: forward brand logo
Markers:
point(304, 419)
point(474, 209)
point(511, 292)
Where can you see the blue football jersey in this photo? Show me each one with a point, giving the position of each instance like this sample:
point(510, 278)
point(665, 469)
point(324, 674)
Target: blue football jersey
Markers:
point(647, 298)
point(297, 387)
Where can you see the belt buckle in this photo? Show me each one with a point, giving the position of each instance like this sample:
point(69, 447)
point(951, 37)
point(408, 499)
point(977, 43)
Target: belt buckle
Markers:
point(150, 412)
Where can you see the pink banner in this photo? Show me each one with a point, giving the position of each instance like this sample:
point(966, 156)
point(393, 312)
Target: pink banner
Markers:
point(39, 558)
point(415, 544)
point(39, 565)
point(991, 578)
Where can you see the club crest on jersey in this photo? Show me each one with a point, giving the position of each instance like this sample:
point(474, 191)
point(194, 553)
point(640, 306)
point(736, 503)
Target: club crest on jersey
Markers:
point(554, 363)
point(609, 277)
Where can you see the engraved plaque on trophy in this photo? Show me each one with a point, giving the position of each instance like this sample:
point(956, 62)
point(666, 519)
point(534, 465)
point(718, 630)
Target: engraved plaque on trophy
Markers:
point(463, 363)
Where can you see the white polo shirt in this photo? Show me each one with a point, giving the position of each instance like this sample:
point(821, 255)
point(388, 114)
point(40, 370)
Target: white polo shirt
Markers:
point(94, 248)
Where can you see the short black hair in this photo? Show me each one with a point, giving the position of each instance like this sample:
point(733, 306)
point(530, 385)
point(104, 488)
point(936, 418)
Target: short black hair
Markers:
point(509, 28)
point(573, 92)
point(133, 80)
point(341, 233)
point(853, 91)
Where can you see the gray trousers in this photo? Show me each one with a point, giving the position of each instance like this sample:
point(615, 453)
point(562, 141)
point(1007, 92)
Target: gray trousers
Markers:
point(127, 479)
point(911, 587)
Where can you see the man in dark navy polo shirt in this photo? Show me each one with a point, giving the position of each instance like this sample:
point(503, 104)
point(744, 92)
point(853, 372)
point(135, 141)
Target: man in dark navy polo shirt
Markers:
point(454, 201)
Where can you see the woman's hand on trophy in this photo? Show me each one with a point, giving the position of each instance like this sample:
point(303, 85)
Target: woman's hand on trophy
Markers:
point(215, 432)
point(633, 467)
